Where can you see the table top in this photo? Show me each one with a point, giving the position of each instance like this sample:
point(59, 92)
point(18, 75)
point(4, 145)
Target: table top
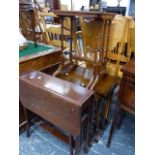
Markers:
point(84, 13)
point(64, 89)
point(32, 52)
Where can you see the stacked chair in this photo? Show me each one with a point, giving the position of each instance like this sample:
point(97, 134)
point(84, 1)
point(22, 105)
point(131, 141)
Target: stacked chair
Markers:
point(92, 72)
point(121, 44)
point(106, 46)
point(52, 31)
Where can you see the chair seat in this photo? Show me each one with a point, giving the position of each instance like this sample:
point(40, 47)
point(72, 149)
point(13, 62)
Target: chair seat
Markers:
point(106, 84)
point(81, 76)
point(76, 74)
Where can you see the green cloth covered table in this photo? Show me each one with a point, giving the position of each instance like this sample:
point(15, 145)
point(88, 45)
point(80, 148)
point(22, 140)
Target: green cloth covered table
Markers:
point(39, 57)
point(31, 49)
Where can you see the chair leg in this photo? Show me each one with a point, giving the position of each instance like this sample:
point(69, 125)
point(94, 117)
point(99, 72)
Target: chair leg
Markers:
point(108, 106)
point(28, 122)
point(113, 126)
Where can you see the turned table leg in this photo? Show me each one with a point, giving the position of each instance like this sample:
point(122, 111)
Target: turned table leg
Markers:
point(114, 123)
point(71, 144)
point(28, 122)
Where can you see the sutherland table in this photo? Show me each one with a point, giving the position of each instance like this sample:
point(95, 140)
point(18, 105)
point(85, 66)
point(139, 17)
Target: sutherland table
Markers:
point(65, 105)
point(36, 58)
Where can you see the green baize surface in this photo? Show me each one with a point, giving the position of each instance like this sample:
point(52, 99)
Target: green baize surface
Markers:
point(31, 49)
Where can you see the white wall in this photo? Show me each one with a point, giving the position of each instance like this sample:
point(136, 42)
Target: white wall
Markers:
point(114, 3)
point(67, 2)
point(77, 4)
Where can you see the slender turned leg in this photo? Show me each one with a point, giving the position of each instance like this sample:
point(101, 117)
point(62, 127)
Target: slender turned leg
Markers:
point(71, 144)
point(33, 27)
point(108, 106)
point(89, 126)
point(114, 123)
point(77, 145)
point(28, 122)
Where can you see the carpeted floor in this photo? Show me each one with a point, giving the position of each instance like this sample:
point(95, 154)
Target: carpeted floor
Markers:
point(42, 142)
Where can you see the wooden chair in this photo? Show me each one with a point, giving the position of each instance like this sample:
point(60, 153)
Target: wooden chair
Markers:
point(116, 55)
point(67, 23)
point(126, 97)
point(93, 75)
point(25, 25)
point(53, 31)
point(93, 51)
point(119, 47)
point(121, 43)
point(131, 37)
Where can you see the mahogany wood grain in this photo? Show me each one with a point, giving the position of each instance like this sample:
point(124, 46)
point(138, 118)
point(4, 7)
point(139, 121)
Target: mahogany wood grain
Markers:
point(36, 62)
point(39, 61)
point(61, 103)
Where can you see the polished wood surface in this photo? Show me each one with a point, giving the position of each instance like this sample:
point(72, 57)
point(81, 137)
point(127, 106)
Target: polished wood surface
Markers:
point(121, 41)
point(61, 103)
point(119, 47)
point(65, 104)
point(126, 97)
point(92, 76)
point(27, 7)
point(33, 62)
point(68, 91)
point(53, 31)
point(98, 61)
point(39, 60)
point(83, 13)
point(127, 88)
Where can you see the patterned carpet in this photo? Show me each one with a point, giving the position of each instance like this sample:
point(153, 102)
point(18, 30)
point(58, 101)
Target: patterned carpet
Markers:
point(42, 142)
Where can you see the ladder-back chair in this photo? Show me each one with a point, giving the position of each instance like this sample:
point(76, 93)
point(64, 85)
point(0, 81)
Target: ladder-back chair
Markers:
point(93, 75)
point(53, 31)
point(121, 42)
point(95, 48)
point(119, 45)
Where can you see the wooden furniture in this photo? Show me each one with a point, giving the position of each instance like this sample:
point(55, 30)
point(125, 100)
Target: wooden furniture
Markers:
point(36, 58)
point(119, 45)
point(115, 58)
point(54, 5)
point(98, 61)
point(131, 37)
point(65, 105)
point(53, 31)
point(28, 26)
point(121, 42)
point(126, 97)
point(93, 77)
